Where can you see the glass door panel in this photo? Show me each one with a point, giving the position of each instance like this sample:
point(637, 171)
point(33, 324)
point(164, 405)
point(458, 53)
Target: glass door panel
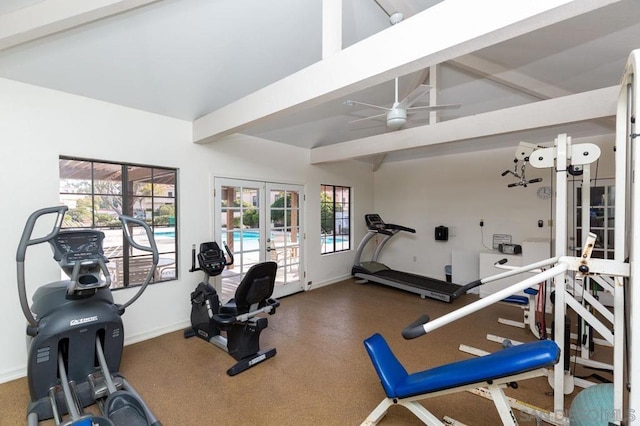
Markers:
point(259, 221)
point(239, 228)
point(283, 240)
point(601, 218)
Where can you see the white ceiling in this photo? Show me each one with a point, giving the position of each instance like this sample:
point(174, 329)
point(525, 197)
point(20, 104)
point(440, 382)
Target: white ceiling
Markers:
point(189, 58)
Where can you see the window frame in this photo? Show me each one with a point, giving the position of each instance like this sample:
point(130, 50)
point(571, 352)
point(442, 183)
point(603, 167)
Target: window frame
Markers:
point(602, 217)
point(126, 193)
point(331, 241)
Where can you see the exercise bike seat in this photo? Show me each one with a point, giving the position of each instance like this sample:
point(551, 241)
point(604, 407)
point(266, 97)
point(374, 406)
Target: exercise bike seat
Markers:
point(254, 291)
point(241, 318)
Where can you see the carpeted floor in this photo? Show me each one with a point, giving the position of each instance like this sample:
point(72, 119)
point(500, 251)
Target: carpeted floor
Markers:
point(321, 374)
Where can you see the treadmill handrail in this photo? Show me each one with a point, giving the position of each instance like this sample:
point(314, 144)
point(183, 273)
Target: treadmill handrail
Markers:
point(399, 228)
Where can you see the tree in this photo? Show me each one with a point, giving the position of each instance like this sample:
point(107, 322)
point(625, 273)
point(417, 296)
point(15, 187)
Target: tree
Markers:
point(327, 213)
point(80, 215)
point(277, 211)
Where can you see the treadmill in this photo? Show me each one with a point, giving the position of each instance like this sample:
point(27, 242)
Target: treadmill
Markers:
point(379, 273)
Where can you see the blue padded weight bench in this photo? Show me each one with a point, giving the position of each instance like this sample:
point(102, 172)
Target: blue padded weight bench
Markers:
point(528, 304)
point(491, 371)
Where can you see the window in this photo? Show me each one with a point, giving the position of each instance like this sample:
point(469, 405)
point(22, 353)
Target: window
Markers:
point(335, 218)
point(98, 192)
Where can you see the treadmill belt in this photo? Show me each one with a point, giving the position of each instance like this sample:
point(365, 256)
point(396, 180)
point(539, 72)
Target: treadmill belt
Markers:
point(418, 281)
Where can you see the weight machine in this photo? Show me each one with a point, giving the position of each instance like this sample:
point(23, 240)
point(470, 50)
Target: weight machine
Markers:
point(616, 276)
point(523, 152)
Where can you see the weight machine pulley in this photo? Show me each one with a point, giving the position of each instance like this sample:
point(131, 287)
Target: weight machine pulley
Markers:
point(523, 152)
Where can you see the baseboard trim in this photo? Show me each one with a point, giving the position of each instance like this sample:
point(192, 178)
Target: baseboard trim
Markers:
point(136, 338)
point(150, 334)
point(11, 375)
point(328, 282)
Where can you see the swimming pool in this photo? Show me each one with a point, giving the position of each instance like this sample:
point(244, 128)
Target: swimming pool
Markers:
point(247, 235)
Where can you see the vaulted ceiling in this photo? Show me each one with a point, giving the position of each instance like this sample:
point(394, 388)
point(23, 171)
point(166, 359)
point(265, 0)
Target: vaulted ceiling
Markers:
point(283, 70)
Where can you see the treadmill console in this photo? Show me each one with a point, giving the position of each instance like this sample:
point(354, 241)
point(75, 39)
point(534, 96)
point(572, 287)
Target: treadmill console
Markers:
point(374, 221)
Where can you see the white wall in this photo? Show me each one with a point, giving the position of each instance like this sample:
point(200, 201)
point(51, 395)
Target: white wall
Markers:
point(457, 191)
point(39, 125)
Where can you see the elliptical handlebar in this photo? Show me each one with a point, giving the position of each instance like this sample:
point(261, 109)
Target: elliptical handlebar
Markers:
point(26, 241)
point(152, 248)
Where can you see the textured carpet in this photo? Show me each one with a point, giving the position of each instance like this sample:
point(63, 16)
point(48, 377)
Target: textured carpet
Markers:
point(321, 373)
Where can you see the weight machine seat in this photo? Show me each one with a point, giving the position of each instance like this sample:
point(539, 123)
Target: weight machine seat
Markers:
point(521, 300)
point(397, 383)
point(254, 290)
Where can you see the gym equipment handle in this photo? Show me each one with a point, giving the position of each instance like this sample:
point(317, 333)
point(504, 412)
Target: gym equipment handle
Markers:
point(26, 240)
point(152, 248)
point(399, 228)
point(415, 329)
point(229, 253)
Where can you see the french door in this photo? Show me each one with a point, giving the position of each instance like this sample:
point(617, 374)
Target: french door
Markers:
point(260, 221)
point(601, 216)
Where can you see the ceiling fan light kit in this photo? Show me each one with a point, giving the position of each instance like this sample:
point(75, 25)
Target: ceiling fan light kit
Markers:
point(396, 118)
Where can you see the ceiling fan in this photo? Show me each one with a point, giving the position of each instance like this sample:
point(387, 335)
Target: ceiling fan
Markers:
point(396, 116)
point(398, 113)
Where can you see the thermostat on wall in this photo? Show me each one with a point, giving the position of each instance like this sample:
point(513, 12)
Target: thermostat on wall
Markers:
point(501, 239)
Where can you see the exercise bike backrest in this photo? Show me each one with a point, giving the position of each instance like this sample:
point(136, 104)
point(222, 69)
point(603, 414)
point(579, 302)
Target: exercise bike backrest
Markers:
point(211, 258)
point(80, 254)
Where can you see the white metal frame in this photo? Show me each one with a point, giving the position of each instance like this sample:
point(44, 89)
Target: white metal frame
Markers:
point(494, 390)
point(561, 156)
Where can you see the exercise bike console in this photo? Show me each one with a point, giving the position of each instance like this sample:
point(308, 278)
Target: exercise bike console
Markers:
point(211, 258)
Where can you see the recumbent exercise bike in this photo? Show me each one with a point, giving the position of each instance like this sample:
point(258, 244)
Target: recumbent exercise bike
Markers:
point(238, 317)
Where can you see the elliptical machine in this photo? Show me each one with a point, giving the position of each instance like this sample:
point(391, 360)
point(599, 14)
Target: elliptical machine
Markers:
point(239, 317)
point(76, 330)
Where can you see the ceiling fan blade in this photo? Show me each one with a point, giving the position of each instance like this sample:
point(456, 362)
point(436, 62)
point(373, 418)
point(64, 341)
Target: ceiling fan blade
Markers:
point(350, 103)
point(414, 96)
point(368, 118)
point(433, 107)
